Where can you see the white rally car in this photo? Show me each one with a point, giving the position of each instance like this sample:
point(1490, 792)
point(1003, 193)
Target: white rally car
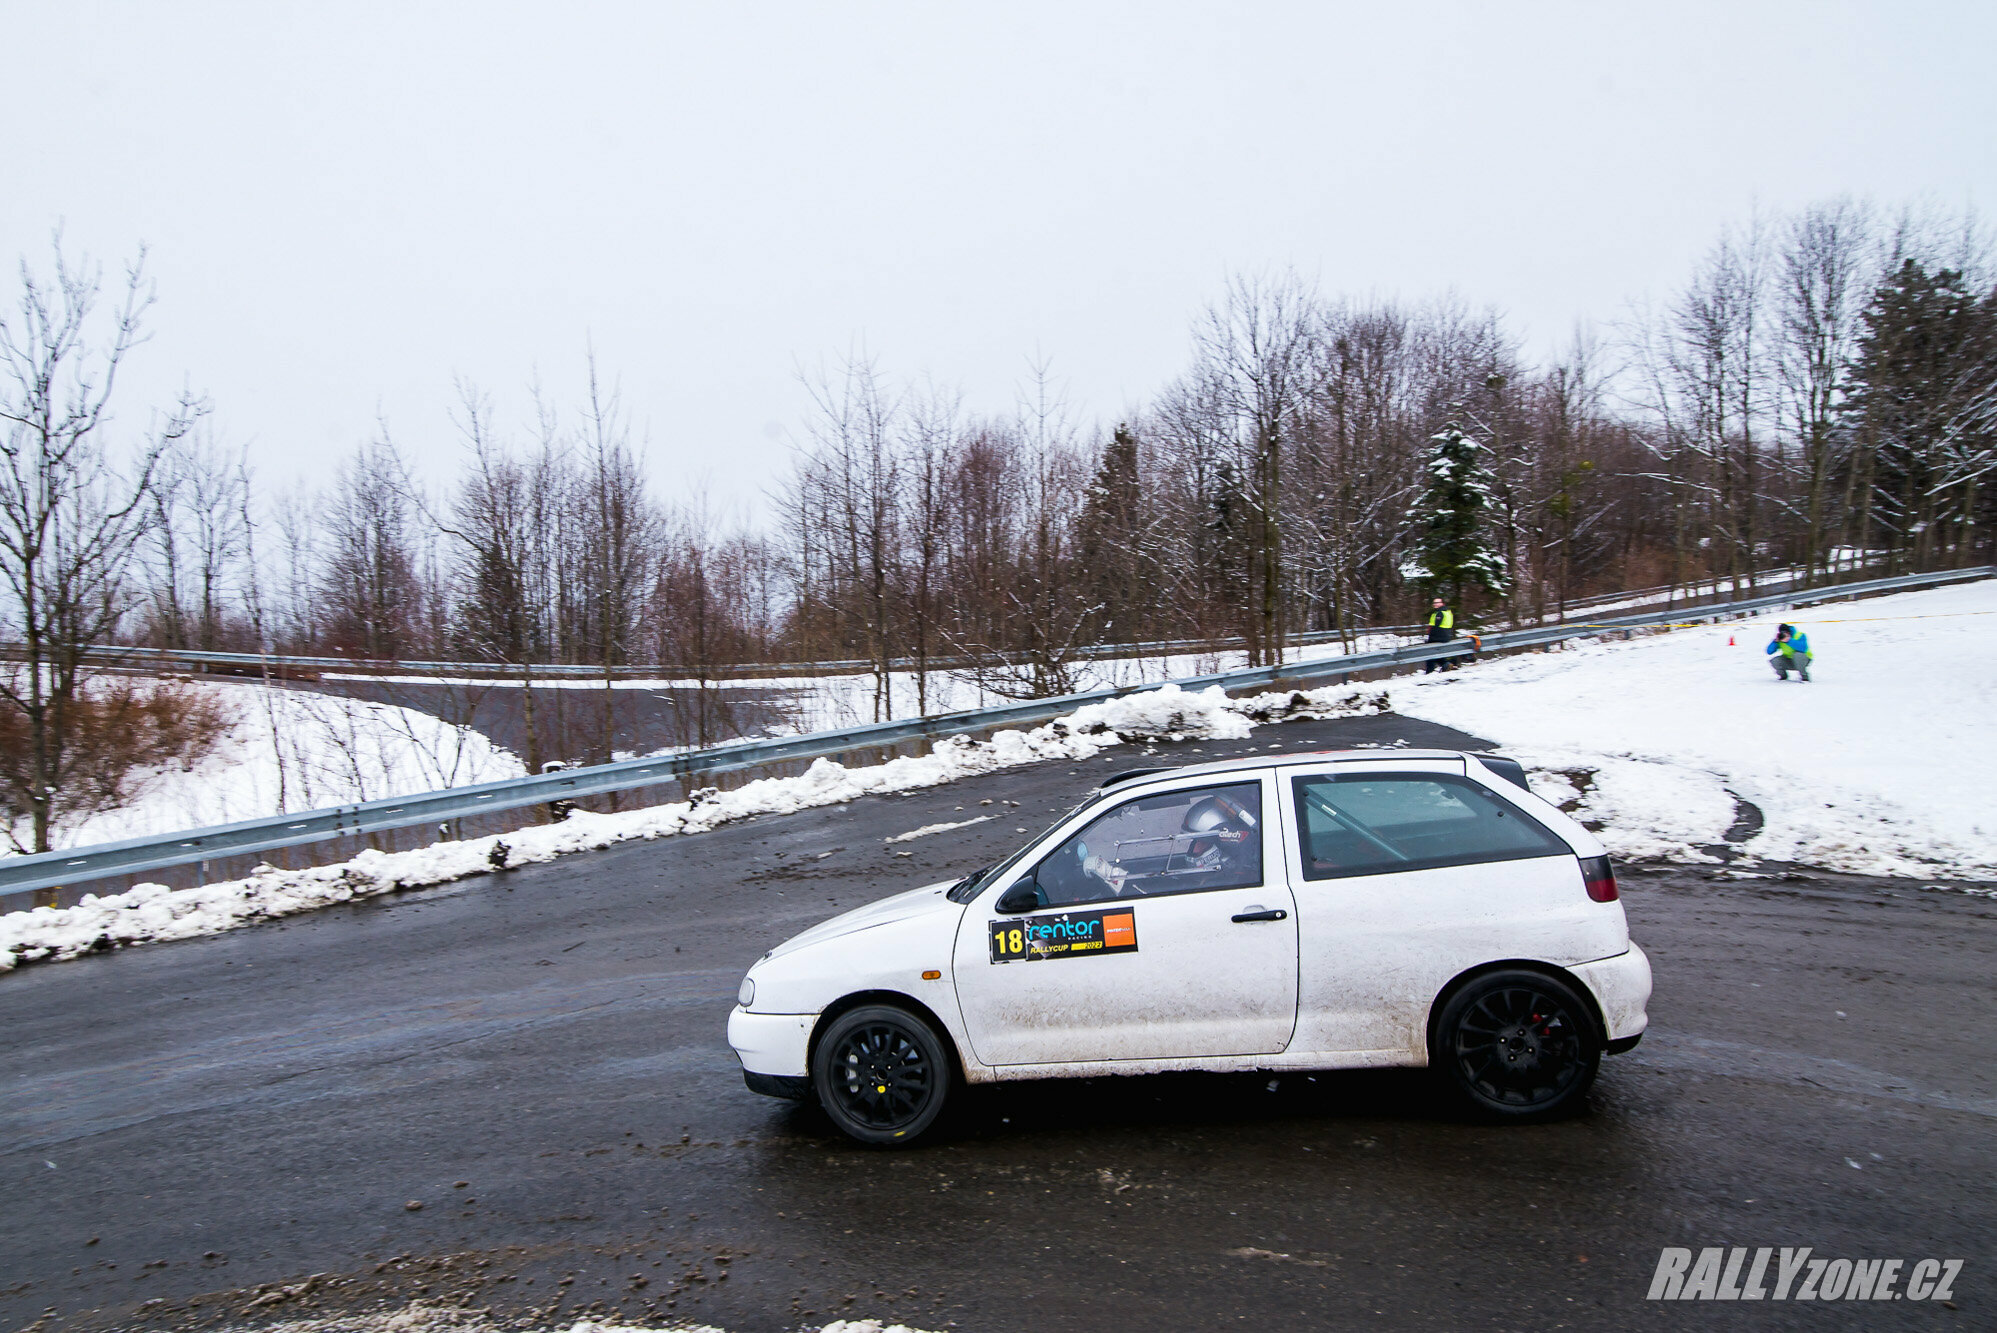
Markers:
point(1337, 910)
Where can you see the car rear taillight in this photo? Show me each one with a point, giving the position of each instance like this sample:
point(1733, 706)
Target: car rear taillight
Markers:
point(1600, 877)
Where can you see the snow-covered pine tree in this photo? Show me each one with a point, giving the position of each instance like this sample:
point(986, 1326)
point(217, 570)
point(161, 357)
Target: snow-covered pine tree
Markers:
point(1451, 549)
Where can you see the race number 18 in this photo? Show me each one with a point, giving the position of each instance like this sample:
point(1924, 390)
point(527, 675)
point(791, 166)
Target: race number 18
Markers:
point(1066, 935)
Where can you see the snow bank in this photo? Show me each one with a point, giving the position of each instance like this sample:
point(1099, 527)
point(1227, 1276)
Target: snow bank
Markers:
point(151, 912)
point(422, 1317)
point(1882, 765)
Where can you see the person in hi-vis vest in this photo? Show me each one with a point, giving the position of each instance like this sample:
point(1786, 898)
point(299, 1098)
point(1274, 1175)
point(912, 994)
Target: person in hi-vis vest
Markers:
point(1790, 651)
point(1441, 629)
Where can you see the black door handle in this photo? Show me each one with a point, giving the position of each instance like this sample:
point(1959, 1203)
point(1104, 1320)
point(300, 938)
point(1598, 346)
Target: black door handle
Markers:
point(1271, 914)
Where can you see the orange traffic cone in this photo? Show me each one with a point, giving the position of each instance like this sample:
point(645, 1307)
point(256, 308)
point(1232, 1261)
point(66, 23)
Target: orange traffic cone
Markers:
point(1730, 640)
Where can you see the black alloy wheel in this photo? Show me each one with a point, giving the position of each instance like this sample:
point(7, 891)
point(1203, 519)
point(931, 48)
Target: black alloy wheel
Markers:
point(881, 1074)
point(1517, 1045)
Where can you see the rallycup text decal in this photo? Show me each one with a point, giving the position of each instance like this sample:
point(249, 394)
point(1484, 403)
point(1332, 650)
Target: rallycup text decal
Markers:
point(1065, 935)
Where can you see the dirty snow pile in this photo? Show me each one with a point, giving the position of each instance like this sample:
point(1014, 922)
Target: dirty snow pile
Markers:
point(420, 1317)
point(1882, 765)
point(293, 750)
point(826, 703)
point(150, 912)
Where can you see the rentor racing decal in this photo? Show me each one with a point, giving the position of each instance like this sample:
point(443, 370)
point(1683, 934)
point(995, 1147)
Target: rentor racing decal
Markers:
point(1065, 935)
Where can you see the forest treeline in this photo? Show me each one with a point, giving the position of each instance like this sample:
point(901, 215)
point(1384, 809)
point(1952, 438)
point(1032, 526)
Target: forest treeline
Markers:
point(1821, 382)
point(1819, 392)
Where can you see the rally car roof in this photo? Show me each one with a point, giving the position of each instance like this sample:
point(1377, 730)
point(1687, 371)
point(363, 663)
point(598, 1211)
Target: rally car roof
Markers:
point(1273, 760)
point(1508, 769)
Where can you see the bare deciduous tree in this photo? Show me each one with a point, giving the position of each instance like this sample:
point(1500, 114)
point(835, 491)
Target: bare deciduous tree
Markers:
point(368, 575)
point(196, 550)
point(1822, 285)
point(1257, 352)
point(72, 509)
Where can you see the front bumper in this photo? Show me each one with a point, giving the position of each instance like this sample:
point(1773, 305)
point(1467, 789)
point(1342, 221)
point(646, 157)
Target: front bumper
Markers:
point(1621, 986)
point(778, 1085)
point(772, 1044)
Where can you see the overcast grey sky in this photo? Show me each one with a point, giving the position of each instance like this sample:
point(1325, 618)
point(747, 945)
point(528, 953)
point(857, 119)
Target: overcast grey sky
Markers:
point(348, 205)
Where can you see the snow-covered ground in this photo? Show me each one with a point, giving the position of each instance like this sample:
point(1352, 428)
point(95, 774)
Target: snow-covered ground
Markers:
point(1881, 765)
point(292, 750)
point(825, 703)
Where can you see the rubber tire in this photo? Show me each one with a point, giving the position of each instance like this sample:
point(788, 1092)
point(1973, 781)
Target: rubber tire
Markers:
point(1484, 1097)
point(934, 1052)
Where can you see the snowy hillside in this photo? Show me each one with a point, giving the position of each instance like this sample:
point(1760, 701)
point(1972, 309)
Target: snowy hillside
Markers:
point(294, 750)
point(1882, 765)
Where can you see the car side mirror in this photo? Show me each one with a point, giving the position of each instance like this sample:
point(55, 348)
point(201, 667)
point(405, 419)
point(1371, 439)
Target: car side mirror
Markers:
point(1024, 896)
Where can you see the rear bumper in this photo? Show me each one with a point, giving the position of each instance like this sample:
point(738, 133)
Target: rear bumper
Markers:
point(772, 1044)
point(1621, 987)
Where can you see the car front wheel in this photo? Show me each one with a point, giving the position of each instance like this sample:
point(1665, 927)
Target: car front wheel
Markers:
point(881, 1074)
point(1517, 1045)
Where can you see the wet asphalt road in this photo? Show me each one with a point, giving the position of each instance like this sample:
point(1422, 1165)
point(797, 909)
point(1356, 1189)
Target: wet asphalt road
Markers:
point(539, 1060)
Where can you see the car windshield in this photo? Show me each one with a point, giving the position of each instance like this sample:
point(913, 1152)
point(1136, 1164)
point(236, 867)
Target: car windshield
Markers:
point(967, 888)
point(977, 881)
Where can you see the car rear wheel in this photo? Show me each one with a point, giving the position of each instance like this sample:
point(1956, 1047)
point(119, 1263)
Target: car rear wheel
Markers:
point(1517, 1045)
point(881, 1074)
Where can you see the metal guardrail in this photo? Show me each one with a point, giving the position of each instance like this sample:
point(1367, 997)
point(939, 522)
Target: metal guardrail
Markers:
point(295, 666)
point(52, 869)
point(290, 666)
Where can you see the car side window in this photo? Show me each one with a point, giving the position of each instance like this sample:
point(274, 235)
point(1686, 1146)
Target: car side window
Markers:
point(1171, 842)
point(1377, 823)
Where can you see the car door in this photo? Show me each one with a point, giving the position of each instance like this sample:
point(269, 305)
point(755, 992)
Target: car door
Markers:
point(1165, 931)
point(1405, 875)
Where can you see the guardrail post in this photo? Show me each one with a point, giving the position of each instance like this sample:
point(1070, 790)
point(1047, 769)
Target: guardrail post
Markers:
point(558, 810)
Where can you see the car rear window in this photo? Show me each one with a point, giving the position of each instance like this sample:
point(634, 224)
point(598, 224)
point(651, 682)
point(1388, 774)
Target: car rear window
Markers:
point(1378, 823)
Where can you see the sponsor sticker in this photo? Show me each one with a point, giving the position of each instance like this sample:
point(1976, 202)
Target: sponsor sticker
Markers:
point(1796, 1273)
point(1064, 935)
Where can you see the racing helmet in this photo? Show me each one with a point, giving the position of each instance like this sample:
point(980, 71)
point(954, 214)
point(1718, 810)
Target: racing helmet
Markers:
point(1217, 826)
point(1210, 814)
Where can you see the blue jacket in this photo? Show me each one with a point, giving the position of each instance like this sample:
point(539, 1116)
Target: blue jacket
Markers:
point(1797, 645)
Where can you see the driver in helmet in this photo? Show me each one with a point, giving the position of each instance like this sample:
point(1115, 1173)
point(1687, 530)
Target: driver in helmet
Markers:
point(1221, 835)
